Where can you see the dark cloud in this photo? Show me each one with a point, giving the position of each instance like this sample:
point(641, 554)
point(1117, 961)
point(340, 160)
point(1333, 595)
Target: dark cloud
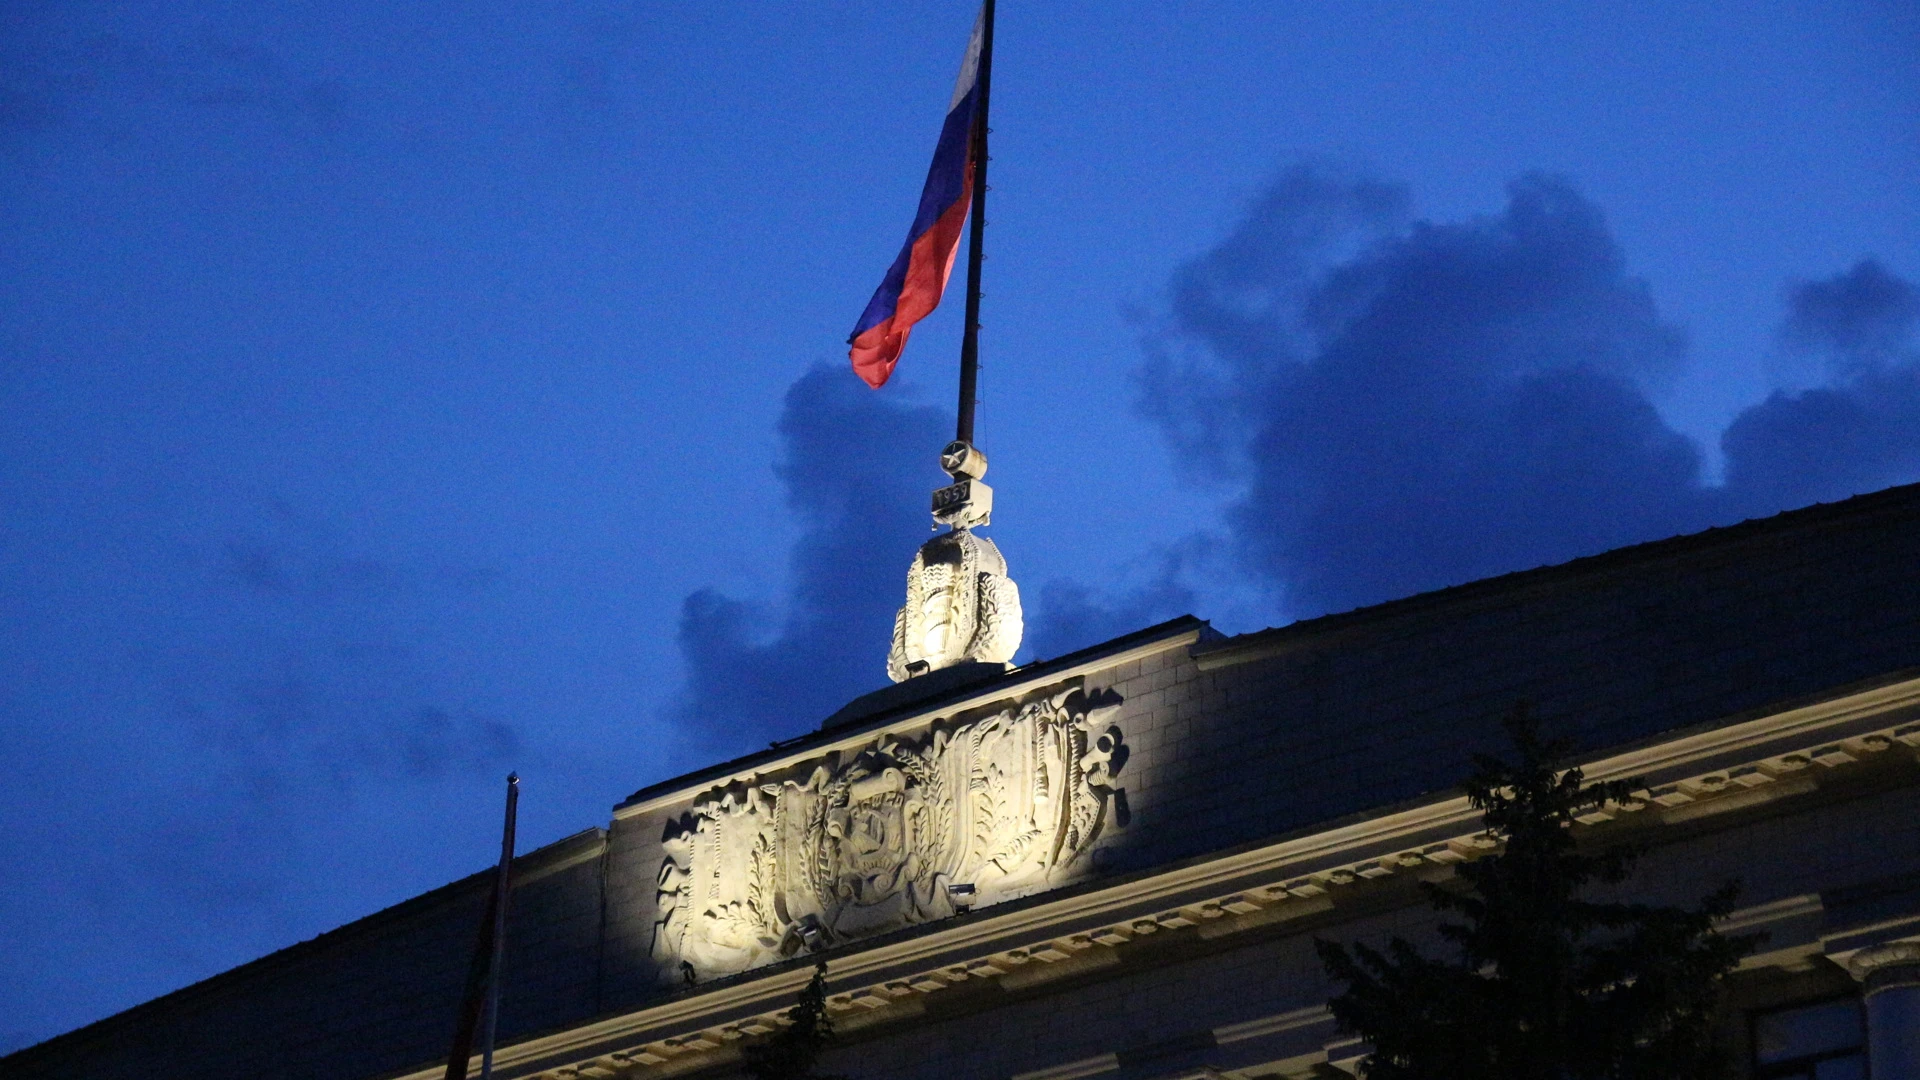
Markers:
point(289, 722)
point(1250, 294)
point(54, 66)
point(1861, 432)
point(322, 677)
point(1409, 407)
point(1066, 615)
point(275, 570)
point(1395, 406)
point(434, 742)
point(221, 72)
point(858, 467)
point(1405, 407)
point(1858, 320)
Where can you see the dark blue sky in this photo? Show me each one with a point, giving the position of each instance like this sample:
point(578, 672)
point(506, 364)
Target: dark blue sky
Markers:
point(399, 393)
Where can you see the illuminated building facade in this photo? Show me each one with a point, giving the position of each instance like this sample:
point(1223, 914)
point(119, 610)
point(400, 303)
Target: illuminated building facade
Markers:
point(1114, 863)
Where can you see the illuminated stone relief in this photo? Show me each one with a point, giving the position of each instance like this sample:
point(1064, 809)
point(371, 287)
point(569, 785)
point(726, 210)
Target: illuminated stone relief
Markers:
point(961, 606)
point(902, 832)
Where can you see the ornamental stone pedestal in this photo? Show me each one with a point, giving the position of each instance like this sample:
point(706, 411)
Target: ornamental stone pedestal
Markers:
point(1890, 974)
point(961, 605)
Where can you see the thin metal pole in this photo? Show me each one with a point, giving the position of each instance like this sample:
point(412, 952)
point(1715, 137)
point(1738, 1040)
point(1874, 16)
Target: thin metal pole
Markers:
point(970, 341)
point(502, 887)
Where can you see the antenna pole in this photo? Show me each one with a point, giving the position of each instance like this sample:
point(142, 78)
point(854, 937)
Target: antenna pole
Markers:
point(970, 342)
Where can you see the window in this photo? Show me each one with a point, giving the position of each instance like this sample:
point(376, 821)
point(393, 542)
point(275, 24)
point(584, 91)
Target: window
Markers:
point(1811, 1042)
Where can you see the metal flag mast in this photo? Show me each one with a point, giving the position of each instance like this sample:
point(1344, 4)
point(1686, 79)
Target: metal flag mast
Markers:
point(967, 502)
point(970, 340)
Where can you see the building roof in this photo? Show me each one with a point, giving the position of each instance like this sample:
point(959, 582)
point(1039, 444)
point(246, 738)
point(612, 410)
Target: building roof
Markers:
point(1895, 506)
point(1343, 714)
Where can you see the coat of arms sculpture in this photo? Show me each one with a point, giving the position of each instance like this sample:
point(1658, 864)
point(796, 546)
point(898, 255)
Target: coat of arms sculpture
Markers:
point(899, 833)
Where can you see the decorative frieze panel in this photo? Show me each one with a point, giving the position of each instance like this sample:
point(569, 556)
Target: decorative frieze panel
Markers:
point(901, 832)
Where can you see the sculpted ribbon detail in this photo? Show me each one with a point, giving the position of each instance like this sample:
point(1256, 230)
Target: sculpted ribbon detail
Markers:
point(899, 833)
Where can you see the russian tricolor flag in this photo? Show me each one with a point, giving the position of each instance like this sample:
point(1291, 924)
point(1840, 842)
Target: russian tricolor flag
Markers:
point(912, 287)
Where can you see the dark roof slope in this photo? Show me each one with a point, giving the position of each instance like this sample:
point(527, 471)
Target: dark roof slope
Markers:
point(1343, 714)
point(1897, 504)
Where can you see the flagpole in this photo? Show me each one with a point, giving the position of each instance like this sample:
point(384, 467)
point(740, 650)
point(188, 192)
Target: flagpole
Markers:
point(970, 341)
point(502, 886)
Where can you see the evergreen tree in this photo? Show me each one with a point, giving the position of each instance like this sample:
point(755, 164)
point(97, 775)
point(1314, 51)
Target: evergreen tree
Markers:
point(791, 1052)
point(1542, 984)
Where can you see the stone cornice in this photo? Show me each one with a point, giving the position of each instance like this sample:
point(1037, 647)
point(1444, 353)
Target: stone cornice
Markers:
point(1875, 958)
point(1768, 742)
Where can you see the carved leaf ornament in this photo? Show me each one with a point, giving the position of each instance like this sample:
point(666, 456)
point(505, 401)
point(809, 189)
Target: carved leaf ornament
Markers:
point(888, 837)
